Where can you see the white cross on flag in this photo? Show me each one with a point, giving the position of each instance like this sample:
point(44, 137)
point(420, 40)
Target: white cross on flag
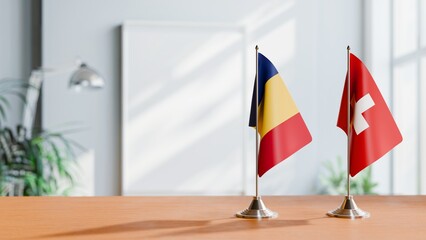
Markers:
point(373, 130)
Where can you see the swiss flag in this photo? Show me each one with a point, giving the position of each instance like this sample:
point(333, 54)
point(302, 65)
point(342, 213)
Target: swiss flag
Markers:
point(373, 130)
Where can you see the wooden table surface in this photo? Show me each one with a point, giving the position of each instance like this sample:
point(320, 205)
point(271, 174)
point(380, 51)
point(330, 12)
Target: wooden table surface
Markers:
point(301, 217)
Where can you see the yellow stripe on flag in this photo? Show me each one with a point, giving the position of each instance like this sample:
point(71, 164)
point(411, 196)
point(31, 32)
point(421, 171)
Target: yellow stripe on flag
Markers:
point(277, 105)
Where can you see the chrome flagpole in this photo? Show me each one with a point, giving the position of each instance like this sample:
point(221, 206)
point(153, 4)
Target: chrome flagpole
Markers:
point(257, 121)
point(257, 208)
point(348, 209)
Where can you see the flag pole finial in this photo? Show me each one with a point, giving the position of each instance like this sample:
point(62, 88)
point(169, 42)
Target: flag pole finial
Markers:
point(348, 48)
point(257, 47)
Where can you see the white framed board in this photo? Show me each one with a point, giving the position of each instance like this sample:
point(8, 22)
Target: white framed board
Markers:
point(183, 109)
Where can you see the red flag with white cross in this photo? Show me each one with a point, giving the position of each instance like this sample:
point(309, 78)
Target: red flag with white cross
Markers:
point(373, 130)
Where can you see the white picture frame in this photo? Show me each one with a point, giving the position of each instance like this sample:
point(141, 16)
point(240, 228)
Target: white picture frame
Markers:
point(199, 149)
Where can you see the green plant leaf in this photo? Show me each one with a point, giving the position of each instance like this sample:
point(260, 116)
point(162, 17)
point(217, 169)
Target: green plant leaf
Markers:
point(334, 179)
point(44, 159)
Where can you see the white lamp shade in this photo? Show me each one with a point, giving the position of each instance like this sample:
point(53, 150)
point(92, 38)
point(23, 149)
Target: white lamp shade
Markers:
point(86, 77)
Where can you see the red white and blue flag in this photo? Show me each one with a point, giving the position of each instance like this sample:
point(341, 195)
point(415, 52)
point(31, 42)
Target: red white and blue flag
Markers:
point(281, 126)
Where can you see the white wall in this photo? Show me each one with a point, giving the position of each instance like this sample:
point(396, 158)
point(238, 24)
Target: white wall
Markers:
point(340, 23)
point(400, 77)
point(307, 39)
point(15, 47)
point(377, 49)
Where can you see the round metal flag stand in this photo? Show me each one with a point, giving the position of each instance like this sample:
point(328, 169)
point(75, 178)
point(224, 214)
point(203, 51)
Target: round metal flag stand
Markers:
point(348, 209)
point(257, 209)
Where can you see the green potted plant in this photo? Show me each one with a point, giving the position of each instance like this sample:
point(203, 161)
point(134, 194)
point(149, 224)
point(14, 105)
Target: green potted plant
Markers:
point(34, 165)
point(333, 180)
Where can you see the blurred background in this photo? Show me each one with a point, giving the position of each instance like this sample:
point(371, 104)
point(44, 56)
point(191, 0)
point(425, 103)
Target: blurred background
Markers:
point(172, 116)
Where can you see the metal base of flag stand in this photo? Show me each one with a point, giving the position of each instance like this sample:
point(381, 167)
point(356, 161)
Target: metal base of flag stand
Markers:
point(257, 209)
point(348, 209)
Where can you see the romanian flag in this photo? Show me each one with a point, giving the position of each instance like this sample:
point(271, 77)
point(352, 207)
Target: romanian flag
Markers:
point(281, 127)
